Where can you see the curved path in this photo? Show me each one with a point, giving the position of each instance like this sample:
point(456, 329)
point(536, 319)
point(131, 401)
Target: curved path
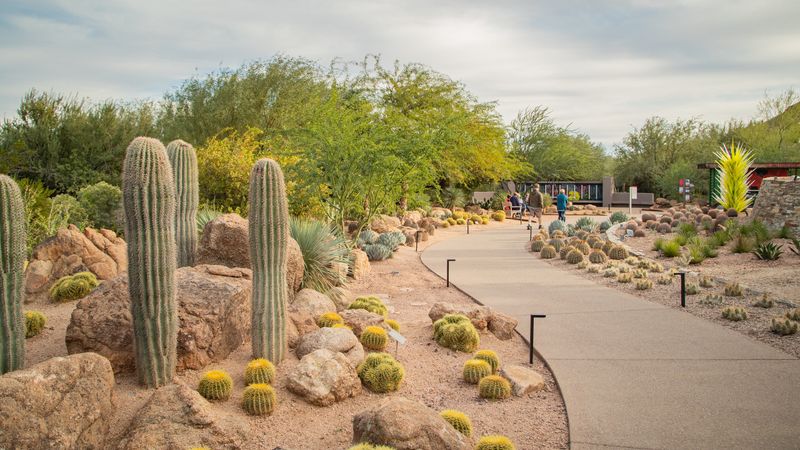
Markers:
point(634, 374)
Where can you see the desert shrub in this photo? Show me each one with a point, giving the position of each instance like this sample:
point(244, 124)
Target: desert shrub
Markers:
point(756, 230)
point(323, 251)
point(586, 223)
point(494, 387)
point(370, 303)
point(734, 313)
point(392, 239)
point(671, 249)
point(458, 420)
point(475, 369)
point(215, 385)
point(456, 332)
point(381, 373)
point(618, 217)
point(34, 323)
point(103, 205)
point(258, 371)
point(605, 225)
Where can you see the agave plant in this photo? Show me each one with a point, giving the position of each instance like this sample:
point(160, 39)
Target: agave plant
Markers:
point(735, 172)
point(204, 216)
point(795, 246)
point(324, 250)
point(768, 251)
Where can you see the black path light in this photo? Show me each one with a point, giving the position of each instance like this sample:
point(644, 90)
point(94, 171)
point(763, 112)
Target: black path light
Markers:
point(682, 274)
point(530, 353)
point(418, 233)
point(448, 270)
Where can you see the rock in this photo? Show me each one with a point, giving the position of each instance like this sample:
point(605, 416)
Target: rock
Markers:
point(361, 266)
point(440, 213)
point(312, 302)
point(478, 315)
point(384, 224)
point(411, 236)
point(324, 377)
point(300, 323)
point(334, 339)
point(412, 216)
point(409, 223)
point(70, 251)
point(341, 268)
point(358, 319)
point(502, 325)
point(176, 418)
point(341, 297)
point(59, 403)
point(404, 424)
point(523, 380)
point(424, 236)
point(225, 242)
point(213, 311)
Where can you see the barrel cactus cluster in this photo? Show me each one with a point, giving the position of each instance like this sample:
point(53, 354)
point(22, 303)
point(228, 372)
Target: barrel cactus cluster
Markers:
point(456, 332)
point(73, 287)
point(381, 373)
point(370, 303)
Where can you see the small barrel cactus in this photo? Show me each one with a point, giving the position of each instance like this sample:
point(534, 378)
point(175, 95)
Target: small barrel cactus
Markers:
point(370, 303)
point(565, 251)
point(495, 442)
point(584, 247)
point(597, 257)
point(377, 252)
point(215, 385)
point(732, 290)
point(574, 257)
point(456, 332)
point(607, 246)
point(618, 253)
point(643, 284)
point(494, 387)
point(381, 373)
point(556, 243)
point(374, 338)
point(548, 252)
point(73, 287)
point(537, 246)
point(13, 238)
point(329, 319)
point(34, 323)
point(475, 369)
point(764, 302)
point(458, 420)
point(624, 278)
point(490, 357)
point(783, 326)
point(183, 160)
point(734, 313)
point(259, 371)
point(393, 324)
point(793, 314)
point(259, 399)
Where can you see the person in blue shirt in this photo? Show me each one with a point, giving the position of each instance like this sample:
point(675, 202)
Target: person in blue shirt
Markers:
point(561, 205)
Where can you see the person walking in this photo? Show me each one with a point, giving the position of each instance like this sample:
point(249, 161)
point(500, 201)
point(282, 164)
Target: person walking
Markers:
point(536, 204)
point(561, 205)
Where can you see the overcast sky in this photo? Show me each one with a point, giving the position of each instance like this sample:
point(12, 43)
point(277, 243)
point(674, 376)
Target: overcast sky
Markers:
point(603, 66)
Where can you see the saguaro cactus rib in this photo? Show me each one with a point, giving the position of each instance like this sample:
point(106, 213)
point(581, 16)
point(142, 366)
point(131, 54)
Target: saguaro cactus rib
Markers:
point(12, 259)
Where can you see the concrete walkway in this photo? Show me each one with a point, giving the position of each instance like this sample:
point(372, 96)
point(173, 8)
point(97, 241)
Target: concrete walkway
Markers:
point(633, 374)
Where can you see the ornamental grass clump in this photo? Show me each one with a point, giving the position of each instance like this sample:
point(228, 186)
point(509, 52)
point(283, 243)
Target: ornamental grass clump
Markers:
point(259, 399)
point(456, 332)
point(734, 313)
point(329, 319)
point(475, 369)
point(258, 371)
point(495, 442)
point(374, 338)
point(735, 173)
point(215, 385)
point(381, 373)
point(370, 303)
point(323, 249)
point(490, 357)
point(494, 387)
point(458, 420)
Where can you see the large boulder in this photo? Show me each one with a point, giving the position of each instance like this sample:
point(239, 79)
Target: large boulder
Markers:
point(59, 403)
point(478, 315)
point(404, 424)
point(225, 242)
point(358, 319)
point(69, 251)
point(413, 216)
point(324, 377)
point(300, 323)
point(213, 311)
point(340, 340)
point(384, 224)
point(523, 379)
point(312, 302)
point(177, 418)
point(502, 325)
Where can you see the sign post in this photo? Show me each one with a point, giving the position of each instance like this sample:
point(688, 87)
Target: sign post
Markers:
point(632, 192)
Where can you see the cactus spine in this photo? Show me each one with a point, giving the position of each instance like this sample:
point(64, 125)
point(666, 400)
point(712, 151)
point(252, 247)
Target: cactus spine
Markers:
point(149, 202)
point(187, 193)
point(269, 232)
point(13, 237)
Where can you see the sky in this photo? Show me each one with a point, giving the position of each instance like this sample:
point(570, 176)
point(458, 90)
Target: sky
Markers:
point(601, 66)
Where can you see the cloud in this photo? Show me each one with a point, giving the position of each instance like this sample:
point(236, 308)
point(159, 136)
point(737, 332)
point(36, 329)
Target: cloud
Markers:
point(603, 66)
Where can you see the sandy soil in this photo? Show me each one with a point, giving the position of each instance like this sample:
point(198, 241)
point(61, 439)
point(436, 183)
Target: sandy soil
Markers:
point(433, 373)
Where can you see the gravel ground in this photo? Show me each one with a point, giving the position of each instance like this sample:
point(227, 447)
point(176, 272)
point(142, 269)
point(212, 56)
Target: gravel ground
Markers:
point(433, 374)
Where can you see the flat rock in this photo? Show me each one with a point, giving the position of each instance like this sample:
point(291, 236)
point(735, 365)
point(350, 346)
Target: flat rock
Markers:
point(502, 325)
point(358, 319)
point(523, 379)
point(59, 403)
point(404, 424)
point(176, 418)
point(312, 302)
point(324, 377)
point(478, 315)
point(213, 311)
point(334, 339)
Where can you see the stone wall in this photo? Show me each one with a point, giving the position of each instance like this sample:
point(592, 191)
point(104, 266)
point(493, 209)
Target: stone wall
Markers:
point(778, 203)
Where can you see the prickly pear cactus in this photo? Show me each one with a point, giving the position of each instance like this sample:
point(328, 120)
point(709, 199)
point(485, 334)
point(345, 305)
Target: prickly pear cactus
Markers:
point(148, 193)
point(13, 237)
point(183, 160)
point(269, 234)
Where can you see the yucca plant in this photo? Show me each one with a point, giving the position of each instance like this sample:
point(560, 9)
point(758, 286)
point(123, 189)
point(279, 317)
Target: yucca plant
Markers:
point(323, 250)
point(204, 216)
point(735, 172)
point(768, 251)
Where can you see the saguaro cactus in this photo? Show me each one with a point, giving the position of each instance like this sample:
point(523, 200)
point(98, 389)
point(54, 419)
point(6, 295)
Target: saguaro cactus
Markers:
point(12, 260)
point(148, 195)
point(269, 232)
point(187, 192)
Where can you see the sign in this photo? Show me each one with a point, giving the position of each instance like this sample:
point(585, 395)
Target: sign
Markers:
point(634, 192)
point(629, 233)
point(397, 337)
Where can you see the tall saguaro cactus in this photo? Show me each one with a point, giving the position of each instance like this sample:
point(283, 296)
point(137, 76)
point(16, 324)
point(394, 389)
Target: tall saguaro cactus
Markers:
point(12, 260)
point(269, 233)
point(184, 171)
point(148, 193)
